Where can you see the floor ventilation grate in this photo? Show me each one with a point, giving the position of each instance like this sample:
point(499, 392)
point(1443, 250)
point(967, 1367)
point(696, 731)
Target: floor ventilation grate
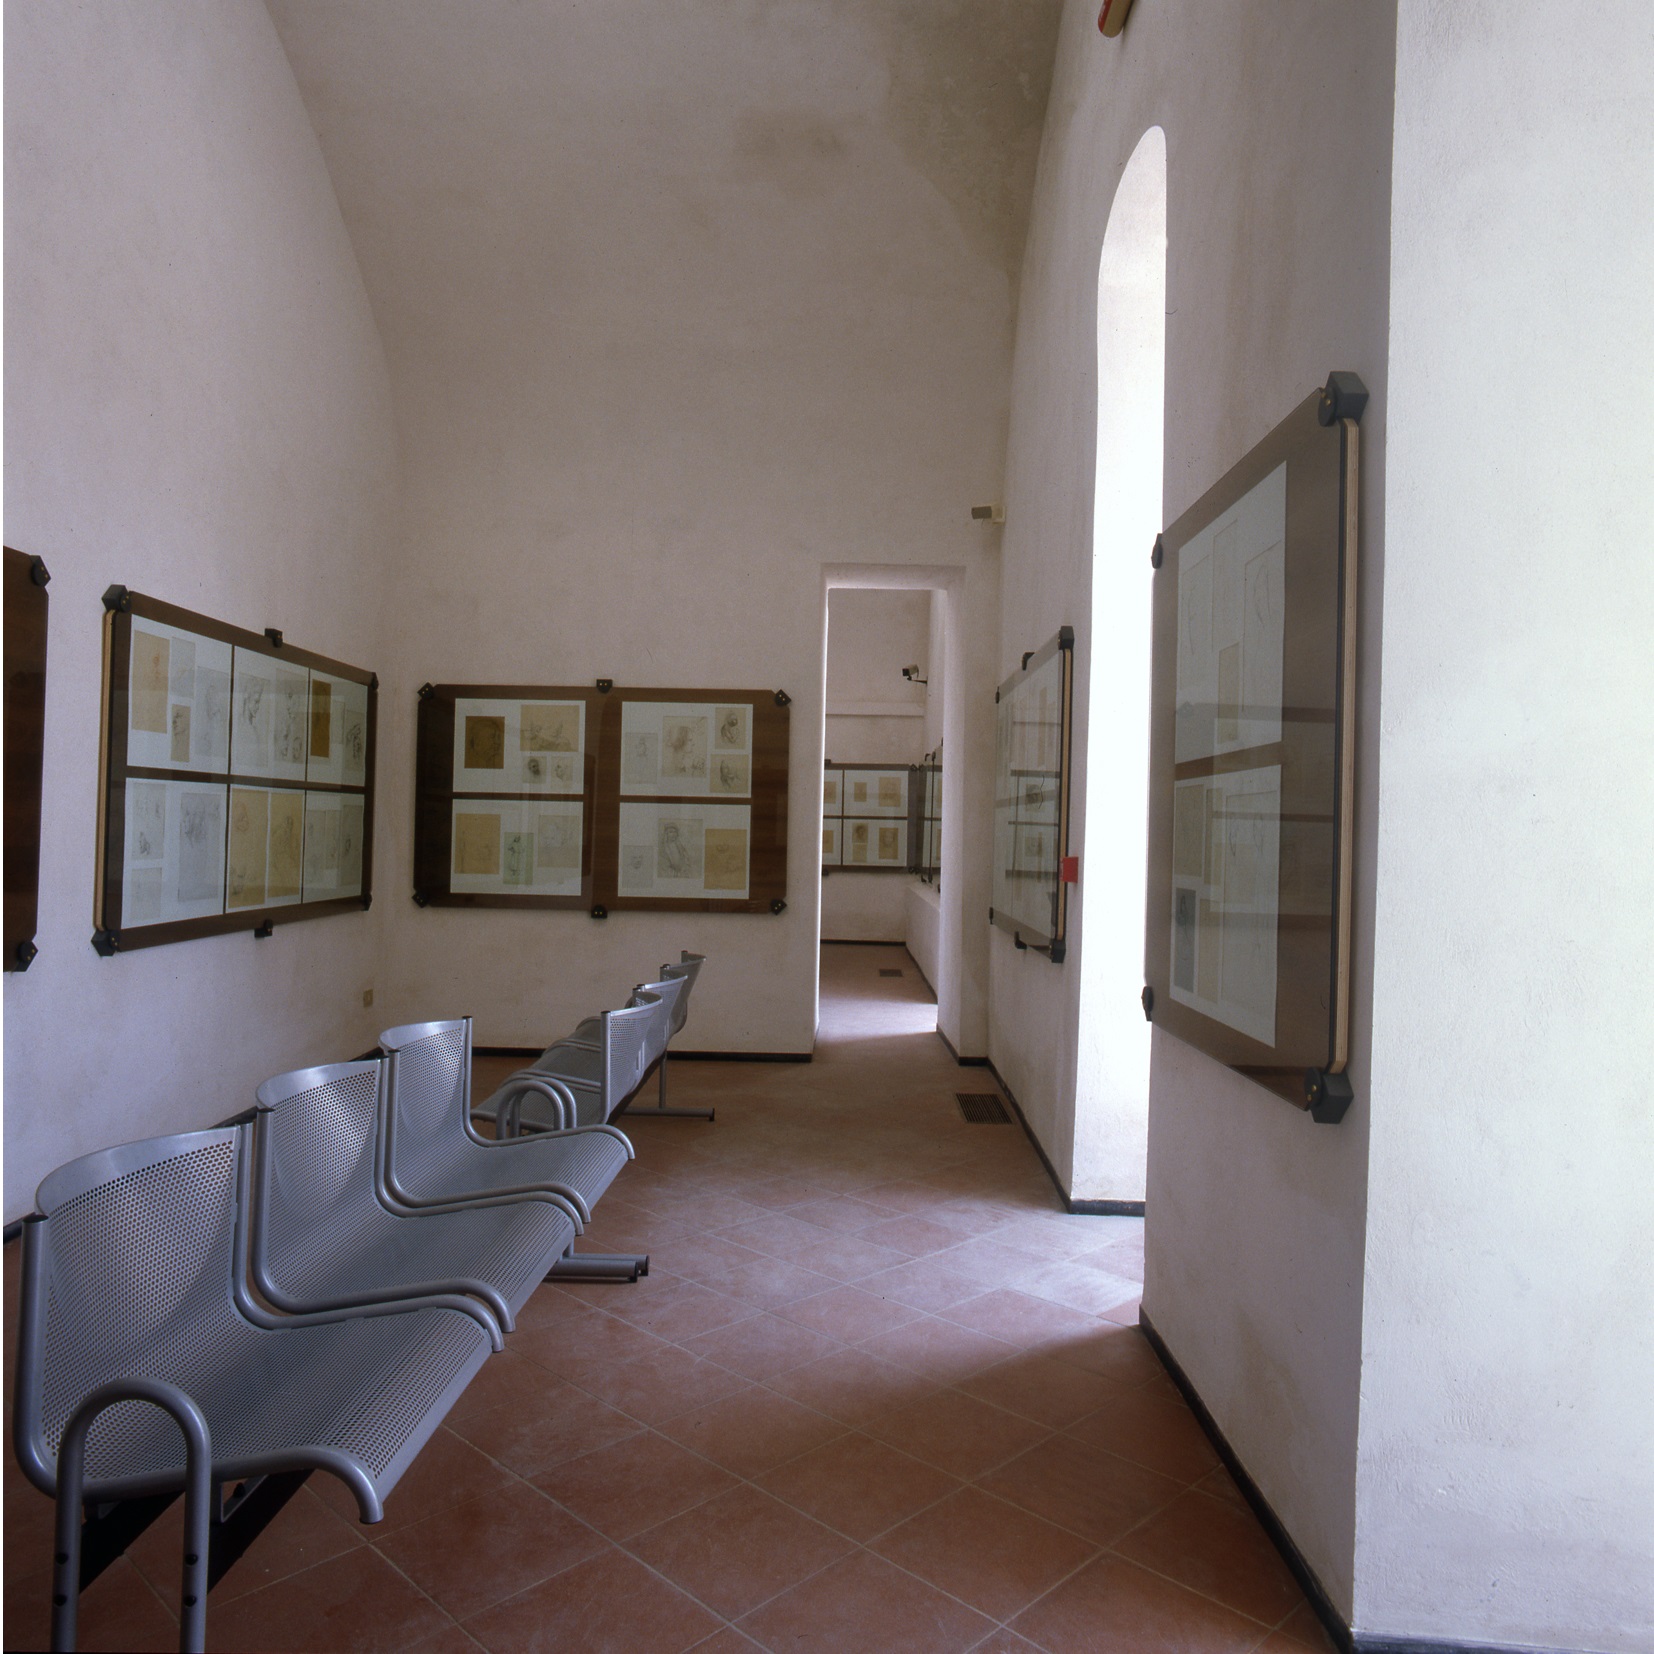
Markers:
point(982, 1108)
point(885, 970)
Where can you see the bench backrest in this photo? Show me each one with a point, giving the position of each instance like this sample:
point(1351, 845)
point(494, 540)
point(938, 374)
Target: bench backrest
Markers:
point(316, 1139)
point(626, 1045)
point(427, 1098)
point(659, 1032)
point(685, 971)
point(128, 1272)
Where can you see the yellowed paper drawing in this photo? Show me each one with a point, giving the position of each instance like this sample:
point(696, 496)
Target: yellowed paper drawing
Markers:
point(549, 727)
point(683, 747)
point(286, 845)
point(249, 840)
point(726, 858)
point(477, 840)
point(484, 743)
point(731, 775)
point(890, 792)
point(151, 671)
point(321, 718)
point(732, 728)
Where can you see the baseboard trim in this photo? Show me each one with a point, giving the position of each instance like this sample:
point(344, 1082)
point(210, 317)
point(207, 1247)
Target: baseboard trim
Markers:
point(1346, 1639)
point(675, 1054)
point(1078, 1208)
point(860, 942)
point(953, 1051)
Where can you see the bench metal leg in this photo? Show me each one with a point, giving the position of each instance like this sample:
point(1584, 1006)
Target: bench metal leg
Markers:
point(661, 1111)
point(599, 1266)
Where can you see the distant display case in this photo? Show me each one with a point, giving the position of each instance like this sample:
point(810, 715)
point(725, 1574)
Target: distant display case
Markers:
point(930, 818)
point(1031, 780)
point(871, 817)
point(237, 779)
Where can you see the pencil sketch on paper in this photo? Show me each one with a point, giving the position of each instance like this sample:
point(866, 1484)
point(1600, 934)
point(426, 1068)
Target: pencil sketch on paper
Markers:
point(287, 720)
point(286, 845)
point(731, 775)
point(829, 841)
point(732, 728)
point(321, 844)
point(517, 859)
point(252, 723)
point(181, 680)
point(829, 793)
point(678, 848)
point(637, 867)
point(858, 841)
point(549, 726)
point(640, 759)
point(535, 773)
point(350, 847)
point(146, 821)
point(141, 895)
point(858, 792)
point(890, 844)
point(477, 842)
point(321, 718)
point(726, 858)
point(201, 847)
point(151, 674)
point(683, 748)
point(560, 770)
point(249, 841)
point(557, 843)
point(890, 792)
point(180, 734)
point(210, 721)
point(484, 743)
point(353, 739)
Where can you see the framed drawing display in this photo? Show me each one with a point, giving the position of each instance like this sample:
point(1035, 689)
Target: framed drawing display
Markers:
point(1035, 719)
point(1251, 762)
point(601, 798)
point(870, 819)
point(504, 783)
point(26, 609)
point(238, 779)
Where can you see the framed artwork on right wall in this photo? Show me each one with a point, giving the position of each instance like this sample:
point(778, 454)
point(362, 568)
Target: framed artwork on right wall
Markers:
point(1251, 759)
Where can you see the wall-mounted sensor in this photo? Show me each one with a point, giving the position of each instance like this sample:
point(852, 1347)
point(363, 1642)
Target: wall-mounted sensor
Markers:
point(911, 673)
point(987, 513)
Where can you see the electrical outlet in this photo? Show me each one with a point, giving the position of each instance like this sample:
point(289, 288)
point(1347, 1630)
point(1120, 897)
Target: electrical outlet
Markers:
point(367, 997)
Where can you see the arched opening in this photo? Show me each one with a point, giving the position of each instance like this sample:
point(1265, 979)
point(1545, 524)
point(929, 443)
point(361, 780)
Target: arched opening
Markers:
point(1112, 1065)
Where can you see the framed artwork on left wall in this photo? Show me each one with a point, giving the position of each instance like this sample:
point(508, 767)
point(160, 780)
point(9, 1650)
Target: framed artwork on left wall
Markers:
point(237, 779)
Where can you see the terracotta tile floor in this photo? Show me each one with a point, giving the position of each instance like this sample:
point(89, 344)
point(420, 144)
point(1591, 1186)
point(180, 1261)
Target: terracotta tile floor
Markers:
point(877, 1392)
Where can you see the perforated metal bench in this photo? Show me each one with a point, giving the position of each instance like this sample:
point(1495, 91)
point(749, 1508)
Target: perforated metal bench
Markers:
point(134, 1305)
point(430, 1155)
point(602, 1072)
point(324, 1237)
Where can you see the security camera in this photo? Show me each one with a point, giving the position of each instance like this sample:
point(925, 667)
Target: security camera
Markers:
point(911, 673)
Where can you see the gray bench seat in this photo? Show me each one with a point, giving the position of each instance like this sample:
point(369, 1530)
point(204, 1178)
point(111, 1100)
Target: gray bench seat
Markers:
point(323, 1237)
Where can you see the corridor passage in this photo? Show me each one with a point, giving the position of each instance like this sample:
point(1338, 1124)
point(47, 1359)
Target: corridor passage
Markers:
point(877, 1392)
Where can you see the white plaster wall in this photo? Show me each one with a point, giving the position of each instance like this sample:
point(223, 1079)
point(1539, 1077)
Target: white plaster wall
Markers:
point(680, 312)
point(1277, 123)
point(923, 928)
point(1506, 1483)
point(196, 407)
point(864, 907)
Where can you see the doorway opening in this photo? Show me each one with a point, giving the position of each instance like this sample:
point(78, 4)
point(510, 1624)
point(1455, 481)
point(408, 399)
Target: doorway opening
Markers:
point(1112, 1066)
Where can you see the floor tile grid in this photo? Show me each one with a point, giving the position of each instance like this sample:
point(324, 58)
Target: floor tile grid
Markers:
point(1263, 1631)
point(970, 1182)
